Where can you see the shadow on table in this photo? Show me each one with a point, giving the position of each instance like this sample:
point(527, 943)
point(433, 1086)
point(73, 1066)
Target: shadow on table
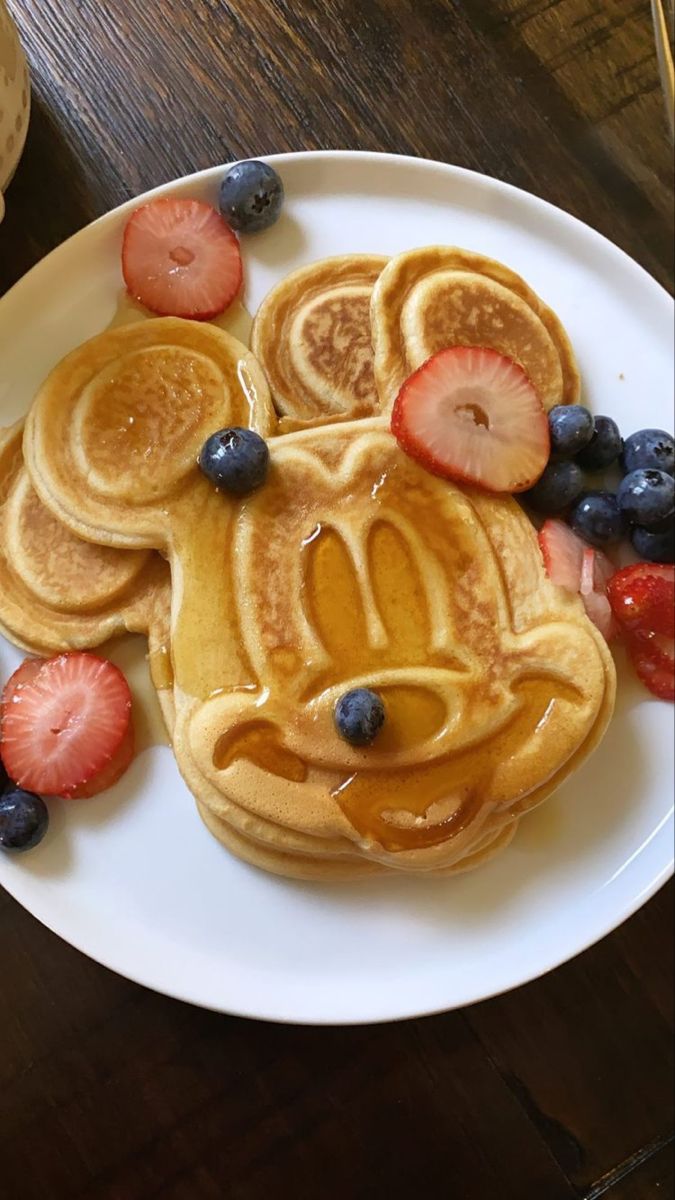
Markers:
point(49, 198)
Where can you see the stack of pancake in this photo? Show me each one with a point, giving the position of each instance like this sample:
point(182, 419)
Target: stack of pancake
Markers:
point(350, 567)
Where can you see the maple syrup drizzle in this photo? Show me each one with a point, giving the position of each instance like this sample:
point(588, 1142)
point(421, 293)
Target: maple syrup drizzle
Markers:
point(402, 809)
point(236, 320)
point(441, 798)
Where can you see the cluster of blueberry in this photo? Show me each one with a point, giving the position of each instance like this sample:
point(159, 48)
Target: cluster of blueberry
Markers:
point(642, 506)
point(23, 816)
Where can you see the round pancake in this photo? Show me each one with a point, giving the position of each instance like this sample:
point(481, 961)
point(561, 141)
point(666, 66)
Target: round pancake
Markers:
point(311, 336)
point(440, 296)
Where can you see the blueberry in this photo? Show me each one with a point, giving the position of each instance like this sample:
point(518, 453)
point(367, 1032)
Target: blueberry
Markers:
point(4, 778)
point(647, 497)
point(235, 459)
point(559, 485)
point(359, 716)
point(571, 428)
point(647, 449)
point(596, 518)
point(604, 447)
point(655, 545)
point(251, 195)
point(23, 820)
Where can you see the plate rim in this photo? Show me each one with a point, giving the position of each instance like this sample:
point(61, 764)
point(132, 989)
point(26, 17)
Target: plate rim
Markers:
point(479, 178)
point(638, 897)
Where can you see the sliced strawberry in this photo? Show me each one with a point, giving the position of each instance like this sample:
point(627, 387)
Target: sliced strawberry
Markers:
point(604, 570)
point(113, 770)
point(599, 608)
point(30, 667)
point(596, 569)
point(24, 674)
point(579, 568)
point(587, 580)
point(563, 554)
point(181, 259)
point(473, 415)
point(643, 597)
point(599, 611)
point(63, 725)
point(653, 656)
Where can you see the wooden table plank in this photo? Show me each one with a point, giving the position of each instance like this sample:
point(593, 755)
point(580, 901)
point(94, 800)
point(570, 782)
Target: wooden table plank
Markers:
point(562, 1088)
point(648, 1175)
point(200, 1095)
point(604, 1009)
point(563, 1079)
point(334, 82)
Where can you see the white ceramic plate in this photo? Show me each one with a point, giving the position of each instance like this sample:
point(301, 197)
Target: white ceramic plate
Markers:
point(134, 880)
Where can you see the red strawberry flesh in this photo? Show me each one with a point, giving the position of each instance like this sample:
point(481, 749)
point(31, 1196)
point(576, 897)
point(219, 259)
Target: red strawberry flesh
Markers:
point(563, 554)
point(24, 675)
point(62, 726)
point(181, 259)
point(643, 597)
point(579, 568)
point(111, 773)
point(472, 415)
point(653, 656)
point(587, 582)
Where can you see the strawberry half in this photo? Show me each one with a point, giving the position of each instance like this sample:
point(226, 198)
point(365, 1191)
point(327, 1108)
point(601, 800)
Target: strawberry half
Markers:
point(643, 597)
point(63, 722)
point(181, 259)
point(653, 656)
point(113, 770)
point(472, 415)
point(579, 568)
point(24, 674)
point(563, 554)
point(596, 570)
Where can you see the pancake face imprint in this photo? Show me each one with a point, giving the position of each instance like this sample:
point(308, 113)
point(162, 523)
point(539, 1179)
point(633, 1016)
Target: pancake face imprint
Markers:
point(429, 299)
point(350, 566)
point(312, 338)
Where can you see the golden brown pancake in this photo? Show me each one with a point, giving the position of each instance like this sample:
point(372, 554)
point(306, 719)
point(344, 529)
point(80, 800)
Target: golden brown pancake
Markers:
point(59, 592)
point(429, 299)
point(351, 566)
point(311, 336)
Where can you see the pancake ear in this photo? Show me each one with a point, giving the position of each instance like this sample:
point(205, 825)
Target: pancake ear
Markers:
point(113, 436)
point(434, 297)
point(312, 337)
point(58, 592)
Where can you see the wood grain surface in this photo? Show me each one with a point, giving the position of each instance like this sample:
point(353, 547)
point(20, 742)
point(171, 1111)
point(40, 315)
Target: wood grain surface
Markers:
point(558, 1091)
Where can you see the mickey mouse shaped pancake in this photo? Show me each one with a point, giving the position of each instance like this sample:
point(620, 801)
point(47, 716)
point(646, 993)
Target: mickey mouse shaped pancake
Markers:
point(350, 566)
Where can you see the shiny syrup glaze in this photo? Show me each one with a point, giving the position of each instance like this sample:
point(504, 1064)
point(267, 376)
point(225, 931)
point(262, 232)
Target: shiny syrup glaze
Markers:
point(396, 807)
point(402, 808)
point(236, 320)
point(151, 672)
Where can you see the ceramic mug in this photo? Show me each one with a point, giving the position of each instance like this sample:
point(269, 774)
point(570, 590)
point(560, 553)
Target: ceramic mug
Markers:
point(14, 100)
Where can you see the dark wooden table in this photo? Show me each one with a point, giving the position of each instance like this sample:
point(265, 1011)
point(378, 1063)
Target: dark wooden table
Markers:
point(562, 1089)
